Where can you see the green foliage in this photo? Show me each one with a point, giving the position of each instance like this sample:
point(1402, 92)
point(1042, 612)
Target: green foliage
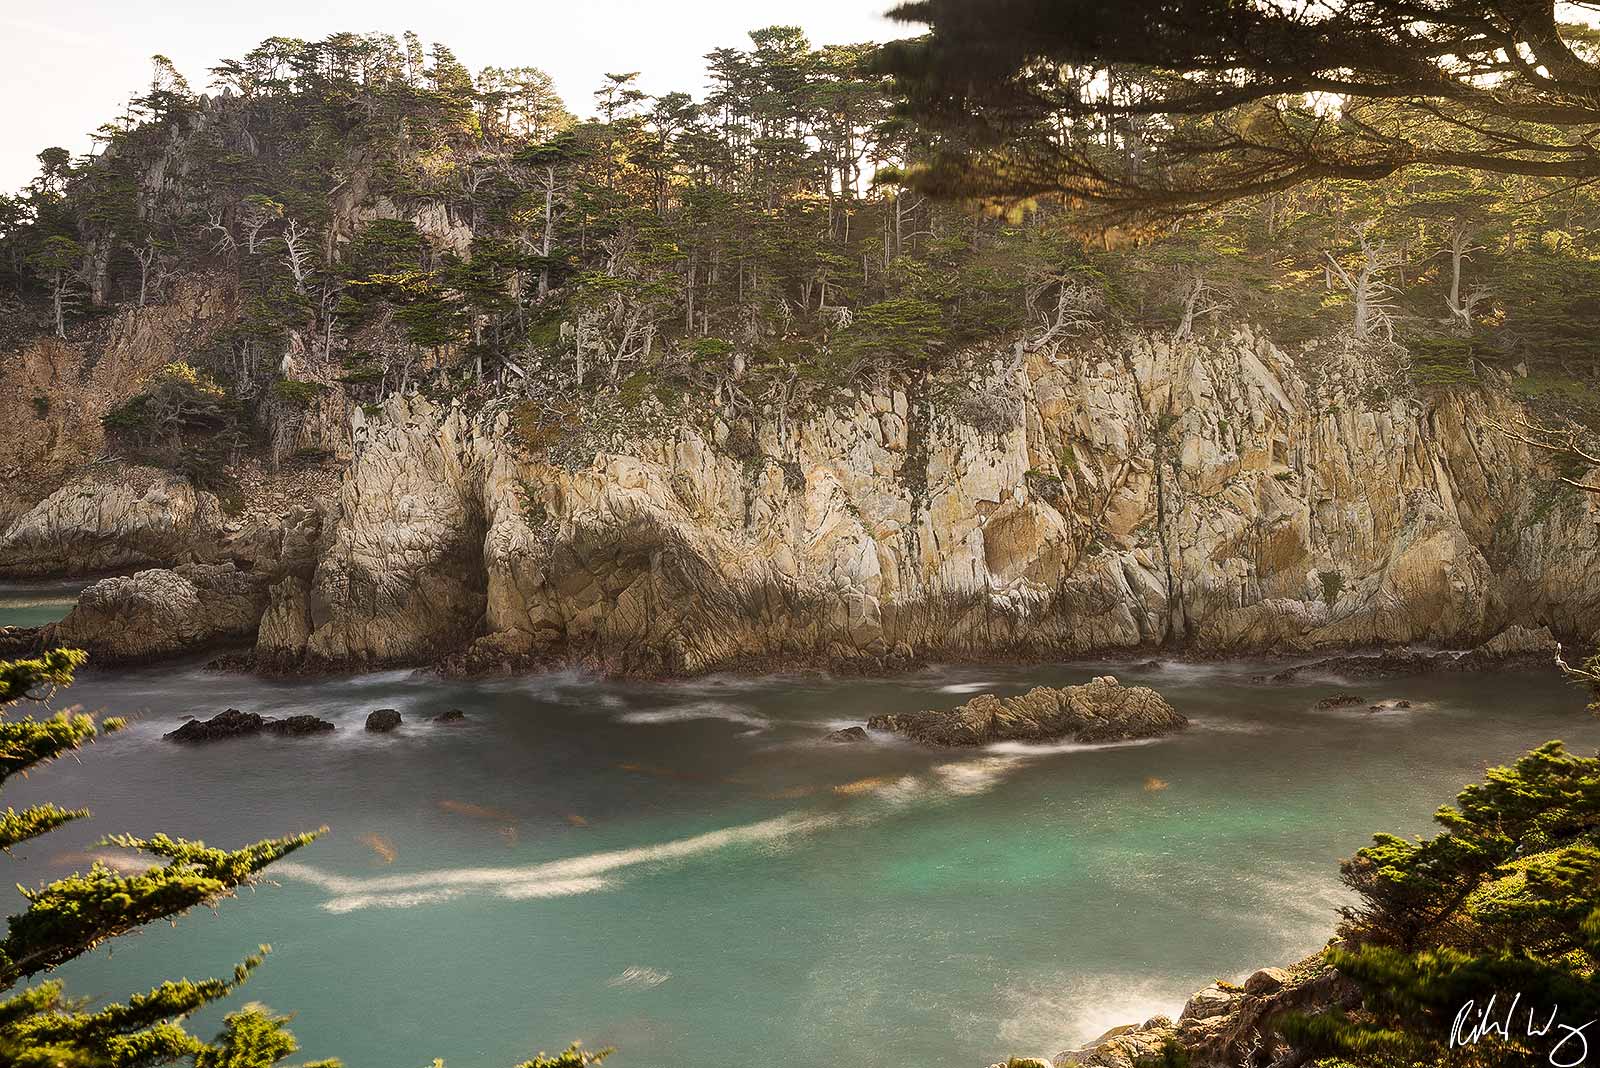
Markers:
point(899, 334)
point(1332, 586)
point(183, 420)
point(67, 917)
point(571, 1057)
point(298, 393)
point(1506, 899)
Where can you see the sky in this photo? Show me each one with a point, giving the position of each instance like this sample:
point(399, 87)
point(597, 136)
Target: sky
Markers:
point(66, 67)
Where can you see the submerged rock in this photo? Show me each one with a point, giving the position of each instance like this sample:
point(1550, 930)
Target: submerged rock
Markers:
point(384, 719)
point(1103, 710)
point(1341, 700)
point(455, 715)
point(847, 734)
point(232, 723)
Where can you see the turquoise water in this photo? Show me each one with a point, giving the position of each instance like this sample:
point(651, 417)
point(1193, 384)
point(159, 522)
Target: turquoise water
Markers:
point(33, 604)
point(688, 873)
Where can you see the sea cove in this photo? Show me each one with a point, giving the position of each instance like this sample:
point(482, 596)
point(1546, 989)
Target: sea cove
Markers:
point(688, 869)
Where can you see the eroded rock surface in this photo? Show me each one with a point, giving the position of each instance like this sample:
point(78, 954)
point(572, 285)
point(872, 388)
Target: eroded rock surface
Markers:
point(1102, 710)
point(159, 613)
point(1218, 496)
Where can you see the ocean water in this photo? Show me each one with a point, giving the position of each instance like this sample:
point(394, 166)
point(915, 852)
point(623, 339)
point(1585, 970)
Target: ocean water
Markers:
point(33, 604)
point(688, 872)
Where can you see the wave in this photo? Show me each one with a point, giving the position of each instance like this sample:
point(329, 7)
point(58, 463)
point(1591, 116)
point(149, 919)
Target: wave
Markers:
point(1072, 1010)
point(693, 711)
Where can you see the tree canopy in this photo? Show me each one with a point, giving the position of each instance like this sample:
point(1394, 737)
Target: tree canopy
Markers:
point(1159, 107)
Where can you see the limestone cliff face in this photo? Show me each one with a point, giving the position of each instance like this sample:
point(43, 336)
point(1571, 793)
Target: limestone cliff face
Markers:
point(1218, 495)
point(1135, 492)
point(112, 517)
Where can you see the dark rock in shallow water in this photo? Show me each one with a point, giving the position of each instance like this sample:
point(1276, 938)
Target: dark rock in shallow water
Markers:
point(455, 715)
point(233, 723)
point(17, 642)
point(227, 724)
point(847, 734)
point(297, 725)
point(1511, 648)
point(1341, 700)
point(384, 719)
point(1100, 711)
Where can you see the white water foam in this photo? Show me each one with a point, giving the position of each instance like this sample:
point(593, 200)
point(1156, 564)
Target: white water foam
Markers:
point(1034, 749)
point(1074, 1010)
point(586, 873)
point(966, 687)
point(574, 875)
point(638, 977)
point(693, 711)
point(967, 778)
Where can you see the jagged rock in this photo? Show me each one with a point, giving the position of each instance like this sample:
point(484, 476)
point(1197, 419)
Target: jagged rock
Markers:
point(1265, 981)
point(1099, 711)
point(1221, 1023)
point(1387, 664)
point(18, 641)
point(384, 719)
point(1514, 646)
point(847, 734)
point(1213, 1000)
point(882, 521)
point(454, 715)
point(112, 518)
point(1121, 1047)
point(232, 723)
point(293, 726)
point(1340, 700)
point(160, 613)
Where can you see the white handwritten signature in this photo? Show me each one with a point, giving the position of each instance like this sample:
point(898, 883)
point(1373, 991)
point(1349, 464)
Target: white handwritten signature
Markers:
point(1473, 1025)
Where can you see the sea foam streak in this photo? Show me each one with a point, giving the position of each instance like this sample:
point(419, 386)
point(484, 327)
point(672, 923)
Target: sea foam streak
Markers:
point(587, 873)
point(697, 710)
point(638, 977)
point(557, 878)
point(1022, 749)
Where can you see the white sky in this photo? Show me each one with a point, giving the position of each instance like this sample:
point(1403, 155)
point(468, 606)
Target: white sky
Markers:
point(66, 67)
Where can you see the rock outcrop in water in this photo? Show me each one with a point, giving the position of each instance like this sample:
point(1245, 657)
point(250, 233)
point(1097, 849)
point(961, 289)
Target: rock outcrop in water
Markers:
point(1102, 710)
point(1220, 496)
point(162, 613)
point(383, 720)
point(1221, 1024)
point(1513, 647)
point(232, 723)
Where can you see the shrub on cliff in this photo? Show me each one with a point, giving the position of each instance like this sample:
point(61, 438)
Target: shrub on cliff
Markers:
point(1504, 903)
point(182, 420)
point(40, 1027)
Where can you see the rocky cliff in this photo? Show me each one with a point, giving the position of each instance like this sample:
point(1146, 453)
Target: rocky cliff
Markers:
point(1222, 496)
